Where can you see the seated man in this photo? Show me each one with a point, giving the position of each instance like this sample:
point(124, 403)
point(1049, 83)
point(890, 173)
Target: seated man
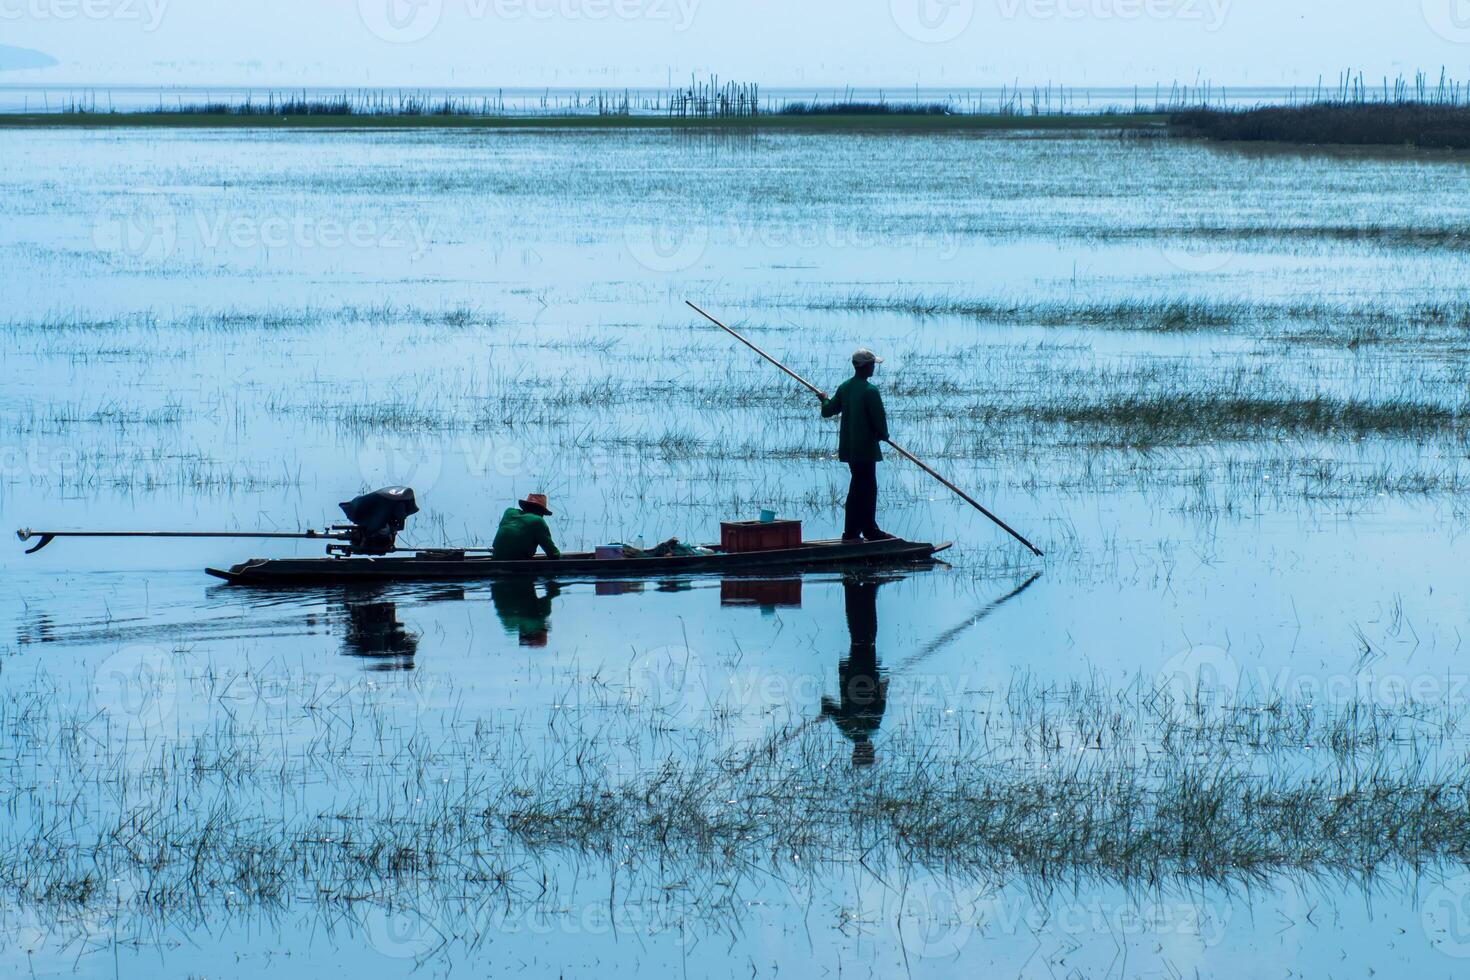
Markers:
point(523, 529)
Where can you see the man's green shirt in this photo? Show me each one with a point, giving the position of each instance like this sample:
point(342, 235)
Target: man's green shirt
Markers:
point(864, 424)
point(520, 534)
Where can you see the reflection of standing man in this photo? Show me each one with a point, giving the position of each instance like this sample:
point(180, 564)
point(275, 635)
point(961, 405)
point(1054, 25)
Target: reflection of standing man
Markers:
point(521, 610)
point(864, 690)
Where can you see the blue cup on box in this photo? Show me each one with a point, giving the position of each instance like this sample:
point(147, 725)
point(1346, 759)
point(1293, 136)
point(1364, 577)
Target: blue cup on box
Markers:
point(768, 516)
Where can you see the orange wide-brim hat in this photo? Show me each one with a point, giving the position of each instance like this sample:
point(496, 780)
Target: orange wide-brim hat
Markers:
point(536, 503)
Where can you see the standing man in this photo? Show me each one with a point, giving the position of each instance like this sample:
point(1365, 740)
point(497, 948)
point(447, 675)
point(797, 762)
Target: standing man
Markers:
point(863, 428)
point(523, 529)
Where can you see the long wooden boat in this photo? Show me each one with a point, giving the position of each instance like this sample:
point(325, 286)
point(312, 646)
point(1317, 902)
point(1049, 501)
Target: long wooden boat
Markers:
point(451, 566)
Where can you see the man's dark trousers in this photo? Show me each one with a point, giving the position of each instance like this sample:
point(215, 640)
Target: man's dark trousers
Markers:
point(862, 499)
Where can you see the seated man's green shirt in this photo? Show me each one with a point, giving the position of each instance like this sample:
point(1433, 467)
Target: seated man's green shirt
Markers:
point(520, 534)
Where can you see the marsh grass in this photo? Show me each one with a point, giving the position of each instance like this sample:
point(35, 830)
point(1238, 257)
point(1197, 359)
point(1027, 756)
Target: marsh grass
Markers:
point(240, 321)
point(1003, 415)
point(60, 417)
point(1148, 420)
point(850, 108)
point(1428, 125)
point(1144, 785)
point(1162, 315)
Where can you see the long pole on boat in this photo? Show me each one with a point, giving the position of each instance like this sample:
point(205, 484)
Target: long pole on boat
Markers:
point(46, 537)
point(25, 534)
point(895, 446)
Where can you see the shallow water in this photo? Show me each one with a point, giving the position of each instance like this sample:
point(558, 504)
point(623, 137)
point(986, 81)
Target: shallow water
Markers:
point(235, 330)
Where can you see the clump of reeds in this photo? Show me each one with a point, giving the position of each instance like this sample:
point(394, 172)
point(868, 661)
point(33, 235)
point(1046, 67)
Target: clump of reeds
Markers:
point(1358, 113)
point(1415, 124)
point(851, 108)
point(713, 99)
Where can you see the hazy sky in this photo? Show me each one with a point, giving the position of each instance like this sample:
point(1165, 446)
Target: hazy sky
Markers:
point(633, 42)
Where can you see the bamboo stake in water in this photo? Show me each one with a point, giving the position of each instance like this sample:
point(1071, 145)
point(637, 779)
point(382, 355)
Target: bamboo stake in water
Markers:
point(895, 446)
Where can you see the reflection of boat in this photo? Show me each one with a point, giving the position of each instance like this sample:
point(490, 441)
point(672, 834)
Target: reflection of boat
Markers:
point(375, 633)
point(766, 594)
point(458, 566)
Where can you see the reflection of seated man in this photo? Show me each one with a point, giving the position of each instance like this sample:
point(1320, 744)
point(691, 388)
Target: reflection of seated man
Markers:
point(521, 610)
point(864, 689)
point(523, 529)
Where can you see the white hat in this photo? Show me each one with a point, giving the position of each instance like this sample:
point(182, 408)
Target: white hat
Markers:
point(862, 356)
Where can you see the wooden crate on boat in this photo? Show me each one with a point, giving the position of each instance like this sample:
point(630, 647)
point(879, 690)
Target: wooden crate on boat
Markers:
point(740, 537)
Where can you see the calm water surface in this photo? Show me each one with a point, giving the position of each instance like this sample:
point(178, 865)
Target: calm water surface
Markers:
point(237, 330)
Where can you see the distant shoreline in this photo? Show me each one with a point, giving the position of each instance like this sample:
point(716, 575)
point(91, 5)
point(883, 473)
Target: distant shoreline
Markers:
point(764, 121)
point(1409, 125)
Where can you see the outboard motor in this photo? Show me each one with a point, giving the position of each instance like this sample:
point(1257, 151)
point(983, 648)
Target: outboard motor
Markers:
point(376, 518)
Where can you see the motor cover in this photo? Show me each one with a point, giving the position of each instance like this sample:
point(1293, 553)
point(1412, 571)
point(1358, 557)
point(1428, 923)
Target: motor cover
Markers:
point(378, 517)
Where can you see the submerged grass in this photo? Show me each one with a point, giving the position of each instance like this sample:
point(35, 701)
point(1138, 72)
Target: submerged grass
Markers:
point(1147, 786)
point(1148, 420)
point(235, 321)
point(1163, 315)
